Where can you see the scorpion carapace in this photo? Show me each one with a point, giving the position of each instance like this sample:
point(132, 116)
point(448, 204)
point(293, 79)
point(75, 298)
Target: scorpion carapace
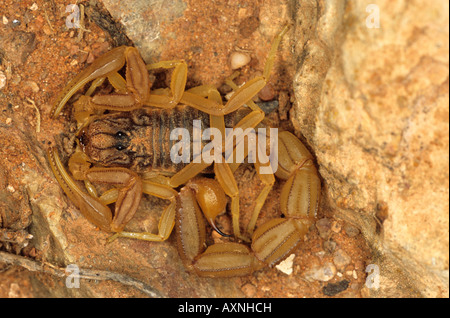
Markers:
point(124, 140)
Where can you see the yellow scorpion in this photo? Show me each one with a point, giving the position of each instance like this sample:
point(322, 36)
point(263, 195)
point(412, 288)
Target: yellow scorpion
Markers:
point(123, 141)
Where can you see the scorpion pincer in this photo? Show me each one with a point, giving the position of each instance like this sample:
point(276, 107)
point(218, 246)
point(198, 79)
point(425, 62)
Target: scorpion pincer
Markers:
point(123, 141)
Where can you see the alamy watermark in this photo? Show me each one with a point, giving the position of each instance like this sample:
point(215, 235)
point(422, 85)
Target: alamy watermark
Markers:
point(73, 276)
point(373, 19)
point(260, 147)
point(373, 277)
point(73, 19)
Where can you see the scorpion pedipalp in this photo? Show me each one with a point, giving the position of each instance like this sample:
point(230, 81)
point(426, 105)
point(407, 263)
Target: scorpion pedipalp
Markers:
point(111, 61)
point(92, 208)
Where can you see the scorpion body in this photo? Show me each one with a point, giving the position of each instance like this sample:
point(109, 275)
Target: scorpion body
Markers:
point(141, 139)
point(125, 136)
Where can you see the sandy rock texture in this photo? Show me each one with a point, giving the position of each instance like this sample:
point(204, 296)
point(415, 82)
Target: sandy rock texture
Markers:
point(373, 104)
point(369, 101)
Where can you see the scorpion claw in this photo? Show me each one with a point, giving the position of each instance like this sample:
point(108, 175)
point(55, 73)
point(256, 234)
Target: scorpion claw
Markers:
point(218, 230)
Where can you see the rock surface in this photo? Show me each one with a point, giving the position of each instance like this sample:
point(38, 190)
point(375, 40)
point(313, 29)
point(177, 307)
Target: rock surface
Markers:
point(42, 232)
point(373, 104)
point(370, 103)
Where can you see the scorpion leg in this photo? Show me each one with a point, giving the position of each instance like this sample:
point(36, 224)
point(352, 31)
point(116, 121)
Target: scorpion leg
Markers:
point(187, 173)
point(268, 181)
point(249, 90)
point(177, 85)
point(167, 220)
point(265, 174)
point(226, 179)
point(217, 121)
point(242, 95)
point(222, 170)
point(223, 173)
point(249, 121)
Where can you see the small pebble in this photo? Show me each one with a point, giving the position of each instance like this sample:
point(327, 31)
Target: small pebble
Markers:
point(32, 252)
point(336, 226)
point(323, 274)
point(286, 266)
point(268, 107)
point(16, 79)
point(99, 48)
point(32, 85)
point(5, 20)
point(324, 227)
point(242, 13)
point(351, 230)
point(2, 79)
point(332, 289)
point(74, 49)
point(90, 58)
point(329, 246)
point(267, 93)
point(341, 259)
point(47, 30)
point(249, 290)
point(34, 7)
point(239, 59)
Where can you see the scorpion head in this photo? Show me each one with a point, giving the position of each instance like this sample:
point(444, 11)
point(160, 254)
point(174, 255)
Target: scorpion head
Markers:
point(106, 140)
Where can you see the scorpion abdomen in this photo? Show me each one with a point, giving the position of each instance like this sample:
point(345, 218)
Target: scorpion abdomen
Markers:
point(151, 136)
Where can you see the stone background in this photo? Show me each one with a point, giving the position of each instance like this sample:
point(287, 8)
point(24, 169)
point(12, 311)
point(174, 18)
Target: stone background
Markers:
point(373, 104)
point(370, 103)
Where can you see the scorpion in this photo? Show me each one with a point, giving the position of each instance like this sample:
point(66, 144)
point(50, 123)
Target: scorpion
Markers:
point(122, 142)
